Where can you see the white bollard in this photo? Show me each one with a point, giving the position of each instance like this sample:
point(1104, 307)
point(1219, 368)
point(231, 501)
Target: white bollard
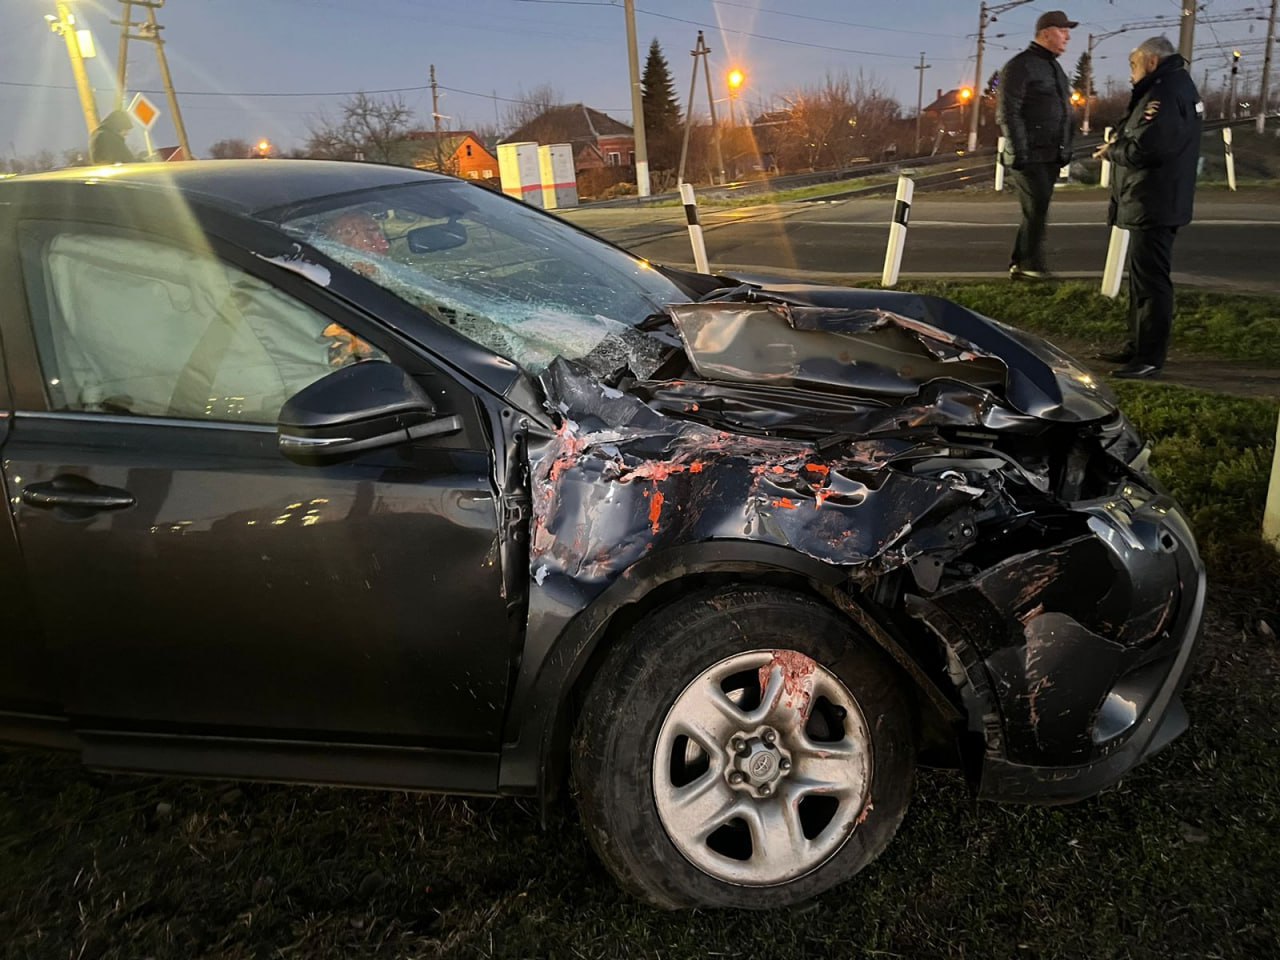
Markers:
point(1114, 269)
point(1231, 160)
point(1271, 512)
point(999, 164)
point(1106, 164)
point(695, 228)
point(898, 231)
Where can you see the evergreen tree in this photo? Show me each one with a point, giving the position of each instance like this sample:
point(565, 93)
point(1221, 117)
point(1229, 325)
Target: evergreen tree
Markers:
point(662, 117)
point(1084, 75)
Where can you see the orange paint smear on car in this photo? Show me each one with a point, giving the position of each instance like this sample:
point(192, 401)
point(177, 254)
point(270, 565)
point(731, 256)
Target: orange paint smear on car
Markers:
point(655, 509)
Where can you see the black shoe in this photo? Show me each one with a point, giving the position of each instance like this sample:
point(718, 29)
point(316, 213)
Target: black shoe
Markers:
point(1015, 272)
point(1124, 355)
point(1136, 370)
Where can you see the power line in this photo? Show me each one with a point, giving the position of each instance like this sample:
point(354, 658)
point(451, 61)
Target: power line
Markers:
point(765, 36)
point(326, 93)
point(757, 36)
point(843, 23)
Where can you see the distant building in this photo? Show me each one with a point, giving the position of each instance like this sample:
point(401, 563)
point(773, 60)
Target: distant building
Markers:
point(598, 140)
point(461, 151)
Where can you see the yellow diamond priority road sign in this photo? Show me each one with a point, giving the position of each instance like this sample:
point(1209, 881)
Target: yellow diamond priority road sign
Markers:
point(143, 111)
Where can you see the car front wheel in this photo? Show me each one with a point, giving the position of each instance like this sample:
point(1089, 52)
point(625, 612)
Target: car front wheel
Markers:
point(742, 748)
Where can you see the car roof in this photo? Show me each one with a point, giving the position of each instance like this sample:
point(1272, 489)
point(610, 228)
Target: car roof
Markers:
point(242, 186)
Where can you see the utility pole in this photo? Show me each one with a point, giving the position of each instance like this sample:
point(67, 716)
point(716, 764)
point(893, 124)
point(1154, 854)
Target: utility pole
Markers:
point(65, 26)
point(637, 103)
point(149, 32)
point(1235, 69)
point(1264, 94)
point(711, 105)
point(435, 118)
point(920, 98)
point(977, 77)
point(700, 49)
point(986, 15)
point(1088, 87)
point(122, 61)
point(696, 52)
point(1187, 38)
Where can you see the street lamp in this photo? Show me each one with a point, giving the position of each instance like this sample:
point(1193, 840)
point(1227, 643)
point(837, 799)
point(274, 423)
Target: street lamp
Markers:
point(736, 79)
point(965, 97)
point(264, 149)
point(64, 25)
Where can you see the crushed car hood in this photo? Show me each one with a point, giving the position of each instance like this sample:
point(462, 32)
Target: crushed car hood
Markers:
point(881, 345)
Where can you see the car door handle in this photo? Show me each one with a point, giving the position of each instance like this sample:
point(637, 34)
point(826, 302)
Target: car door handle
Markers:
point(74, 491)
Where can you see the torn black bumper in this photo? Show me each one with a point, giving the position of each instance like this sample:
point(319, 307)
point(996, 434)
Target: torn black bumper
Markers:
point(1071, 659)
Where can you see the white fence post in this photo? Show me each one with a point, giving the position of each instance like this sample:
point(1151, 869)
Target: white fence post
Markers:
point(898, 231)
point(1114, 269)
point(1271, 513)
point(1231, 160)
point(1106, 164)
point(999, 164)
point(695, 228)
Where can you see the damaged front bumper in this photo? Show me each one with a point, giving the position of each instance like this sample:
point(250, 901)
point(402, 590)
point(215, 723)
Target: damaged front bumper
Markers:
point(1073, 657)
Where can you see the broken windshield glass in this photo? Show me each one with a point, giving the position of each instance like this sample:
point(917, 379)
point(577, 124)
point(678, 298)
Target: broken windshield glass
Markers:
point(510, 278)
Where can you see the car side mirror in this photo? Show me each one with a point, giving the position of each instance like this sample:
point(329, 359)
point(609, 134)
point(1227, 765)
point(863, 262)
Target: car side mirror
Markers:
point(363, 406)
point(437, 237)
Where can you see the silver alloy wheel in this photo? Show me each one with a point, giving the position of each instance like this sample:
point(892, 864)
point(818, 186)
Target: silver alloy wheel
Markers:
point(762, 768)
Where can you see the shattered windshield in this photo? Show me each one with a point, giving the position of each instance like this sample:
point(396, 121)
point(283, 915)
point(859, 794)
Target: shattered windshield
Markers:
point(513, 280)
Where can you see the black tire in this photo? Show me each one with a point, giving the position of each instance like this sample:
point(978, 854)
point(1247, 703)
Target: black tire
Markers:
point(646, 677)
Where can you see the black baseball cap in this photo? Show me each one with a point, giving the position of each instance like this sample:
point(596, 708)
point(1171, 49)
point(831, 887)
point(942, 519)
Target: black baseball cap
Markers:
point(1054, 18)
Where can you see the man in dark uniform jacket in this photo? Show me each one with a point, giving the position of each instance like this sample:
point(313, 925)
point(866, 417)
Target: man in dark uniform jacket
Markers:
point(107, 143)
point(1156, 153)
point(1033, 107)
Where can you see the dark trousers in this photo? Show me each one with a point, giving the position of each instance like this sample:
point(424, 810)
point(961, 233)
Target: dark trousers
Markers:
point(1033, 185)
point(1150, 293)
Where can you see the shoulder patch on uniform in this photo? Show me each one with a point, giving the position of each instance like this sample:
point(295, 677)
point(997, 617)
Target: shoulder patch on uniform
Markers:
point(1200, 106)
point(1150, 110)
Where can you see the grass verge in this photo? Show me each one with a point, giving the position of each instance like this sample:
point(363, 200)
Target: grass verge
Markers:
point(1214, 453)
point(706, 197)
point(1208, 323)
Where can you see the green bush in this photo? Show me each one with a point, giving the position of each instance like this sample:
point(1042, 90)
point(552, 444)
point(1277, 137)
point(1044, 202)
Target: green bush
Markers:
point(1214, 453)
point(1230, 326)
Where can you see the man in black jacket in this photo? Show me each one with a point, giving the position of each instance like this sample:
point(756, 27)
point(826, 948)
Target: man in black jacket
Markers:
point(1156, 153)
point(107, 145)
point(1033, 108)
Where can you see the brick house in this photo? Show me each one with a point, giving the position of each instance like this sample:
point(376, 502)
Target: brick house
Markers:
point(598, 140)
point(463, 153)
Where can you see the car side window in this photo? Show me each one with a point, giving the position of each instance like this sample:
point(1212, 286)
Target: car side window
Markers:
point(128, 324)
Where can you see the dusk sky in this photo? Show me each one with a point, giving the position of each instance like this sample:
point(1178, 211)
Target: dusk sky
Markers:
point(226, 54)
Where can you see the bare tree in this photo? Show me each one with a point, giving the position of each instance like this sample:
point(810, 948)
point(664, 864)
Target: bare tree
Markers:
point(232, 149)
point(838, 121)
point(368, 127)
point(528, 107)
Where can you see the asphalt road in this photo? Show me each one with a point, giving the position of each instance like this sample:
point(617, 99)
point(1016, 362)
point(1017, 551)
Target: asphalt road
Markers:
point(1234, 241)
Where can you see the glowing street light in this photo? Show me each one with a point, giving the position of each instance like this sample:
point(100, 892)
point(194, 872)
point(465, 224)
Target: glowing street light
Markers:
point(736, 79)
point(264, 148)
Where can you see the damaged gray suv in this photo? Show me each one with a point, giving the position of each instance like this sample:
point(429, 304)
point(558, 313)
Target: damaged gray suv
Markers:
point(341, 473)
